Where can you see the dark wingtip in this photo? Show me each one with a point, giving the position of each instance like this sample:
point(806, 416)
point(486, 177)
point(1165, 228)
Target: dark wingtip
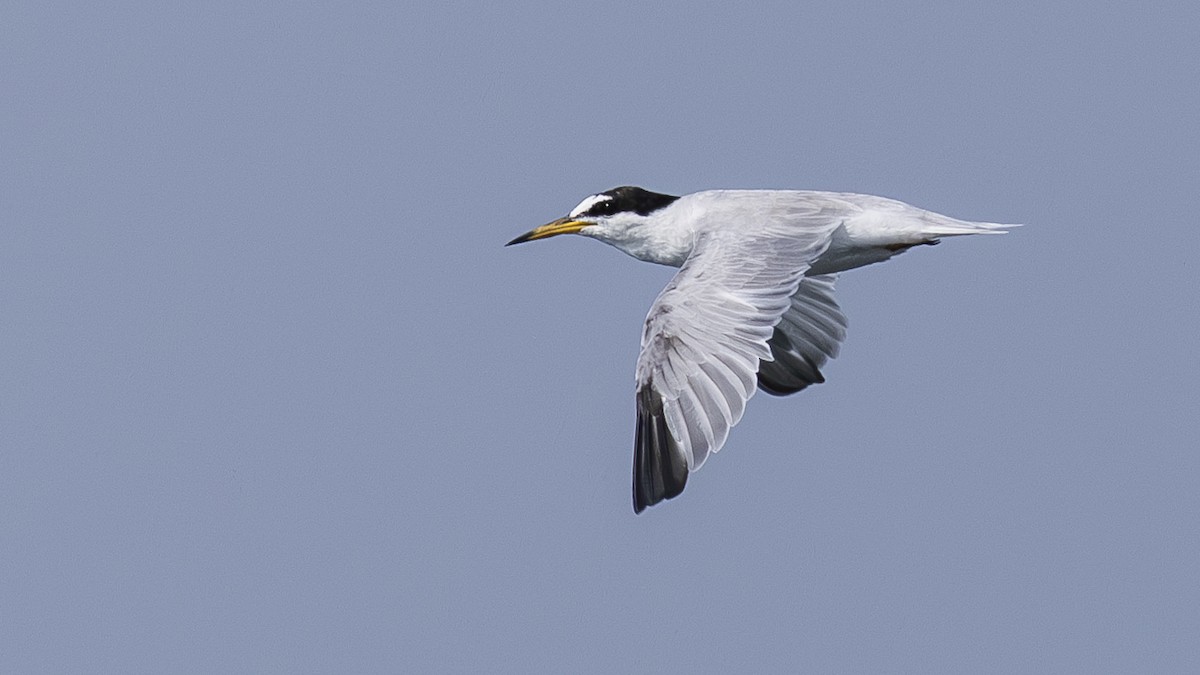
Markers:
point(790, 372)
point(659, 470)
point(773, 382)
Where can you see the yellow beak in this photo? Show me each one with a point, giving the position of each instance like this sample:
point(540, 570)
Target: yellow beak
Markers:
point(560, 226)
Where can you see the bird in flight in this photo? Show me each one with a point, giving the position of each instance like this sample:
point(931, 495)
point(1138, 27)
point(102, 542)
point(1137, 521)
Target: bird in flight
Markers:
point(752, 306)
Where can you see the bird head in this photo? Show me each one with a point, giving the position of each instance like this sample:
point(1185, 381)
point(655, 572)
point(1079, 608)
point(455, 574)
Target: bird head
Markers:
point(610, 216)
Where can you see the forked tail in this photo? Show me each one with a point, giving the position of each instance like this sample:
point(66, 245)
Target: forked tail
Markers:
point(937, 225)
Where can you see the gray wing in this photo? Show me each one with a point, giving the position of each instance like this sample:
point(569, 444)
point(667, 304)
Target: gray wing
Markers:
point(704, 338)
point(808, 335)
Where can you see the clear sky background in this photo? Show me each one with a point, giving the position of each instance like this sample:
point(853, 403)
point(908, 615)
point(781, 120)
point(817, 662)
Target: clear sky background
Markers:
point(275, 399)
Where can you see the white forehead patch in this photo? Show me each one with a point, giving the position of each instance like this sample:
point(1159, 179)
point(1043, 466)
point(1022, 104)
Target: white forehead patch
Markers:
point(587, 204)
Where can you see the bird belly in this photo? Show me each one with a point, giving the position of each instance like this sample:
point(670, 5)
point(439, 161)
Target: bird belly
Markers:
point(840, 261)
point(846, 253)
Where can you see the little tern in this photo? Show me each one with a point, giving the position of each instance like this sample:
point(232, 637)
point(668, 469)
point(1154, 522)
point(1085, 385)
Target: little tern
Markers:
point(752, 306)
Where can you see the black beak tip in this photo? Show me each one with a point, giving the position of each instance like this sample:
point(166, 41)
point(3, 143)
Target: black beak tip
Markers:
point(519, 240)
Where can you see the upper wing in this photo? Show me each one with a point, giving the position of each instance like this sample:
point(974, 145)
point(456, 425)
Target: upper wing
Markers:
point(808, 335)
point(704, 338)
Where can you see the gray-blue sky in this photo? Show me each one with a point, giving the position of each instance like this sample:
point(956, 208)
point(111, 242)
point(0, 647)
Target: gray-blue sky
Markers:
point(274, 399)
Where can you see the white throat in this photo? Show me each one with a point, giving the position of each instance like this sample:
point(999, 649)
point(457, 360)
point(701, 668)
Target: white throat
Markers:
point(657, 238)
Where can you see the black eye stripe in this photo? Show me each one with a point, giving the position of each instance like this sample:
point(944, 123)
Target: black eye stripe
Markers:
point(630, 199)
point(604, 208)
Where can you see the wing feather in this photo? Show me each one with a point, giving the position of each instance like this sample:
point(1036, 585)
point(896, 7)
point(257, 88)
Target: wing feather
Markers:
point(705, 338)
point(809, 334)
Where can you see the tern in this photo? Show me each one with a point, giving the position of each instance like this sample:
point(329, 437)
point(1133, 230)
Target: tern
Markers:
point(752, 306)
